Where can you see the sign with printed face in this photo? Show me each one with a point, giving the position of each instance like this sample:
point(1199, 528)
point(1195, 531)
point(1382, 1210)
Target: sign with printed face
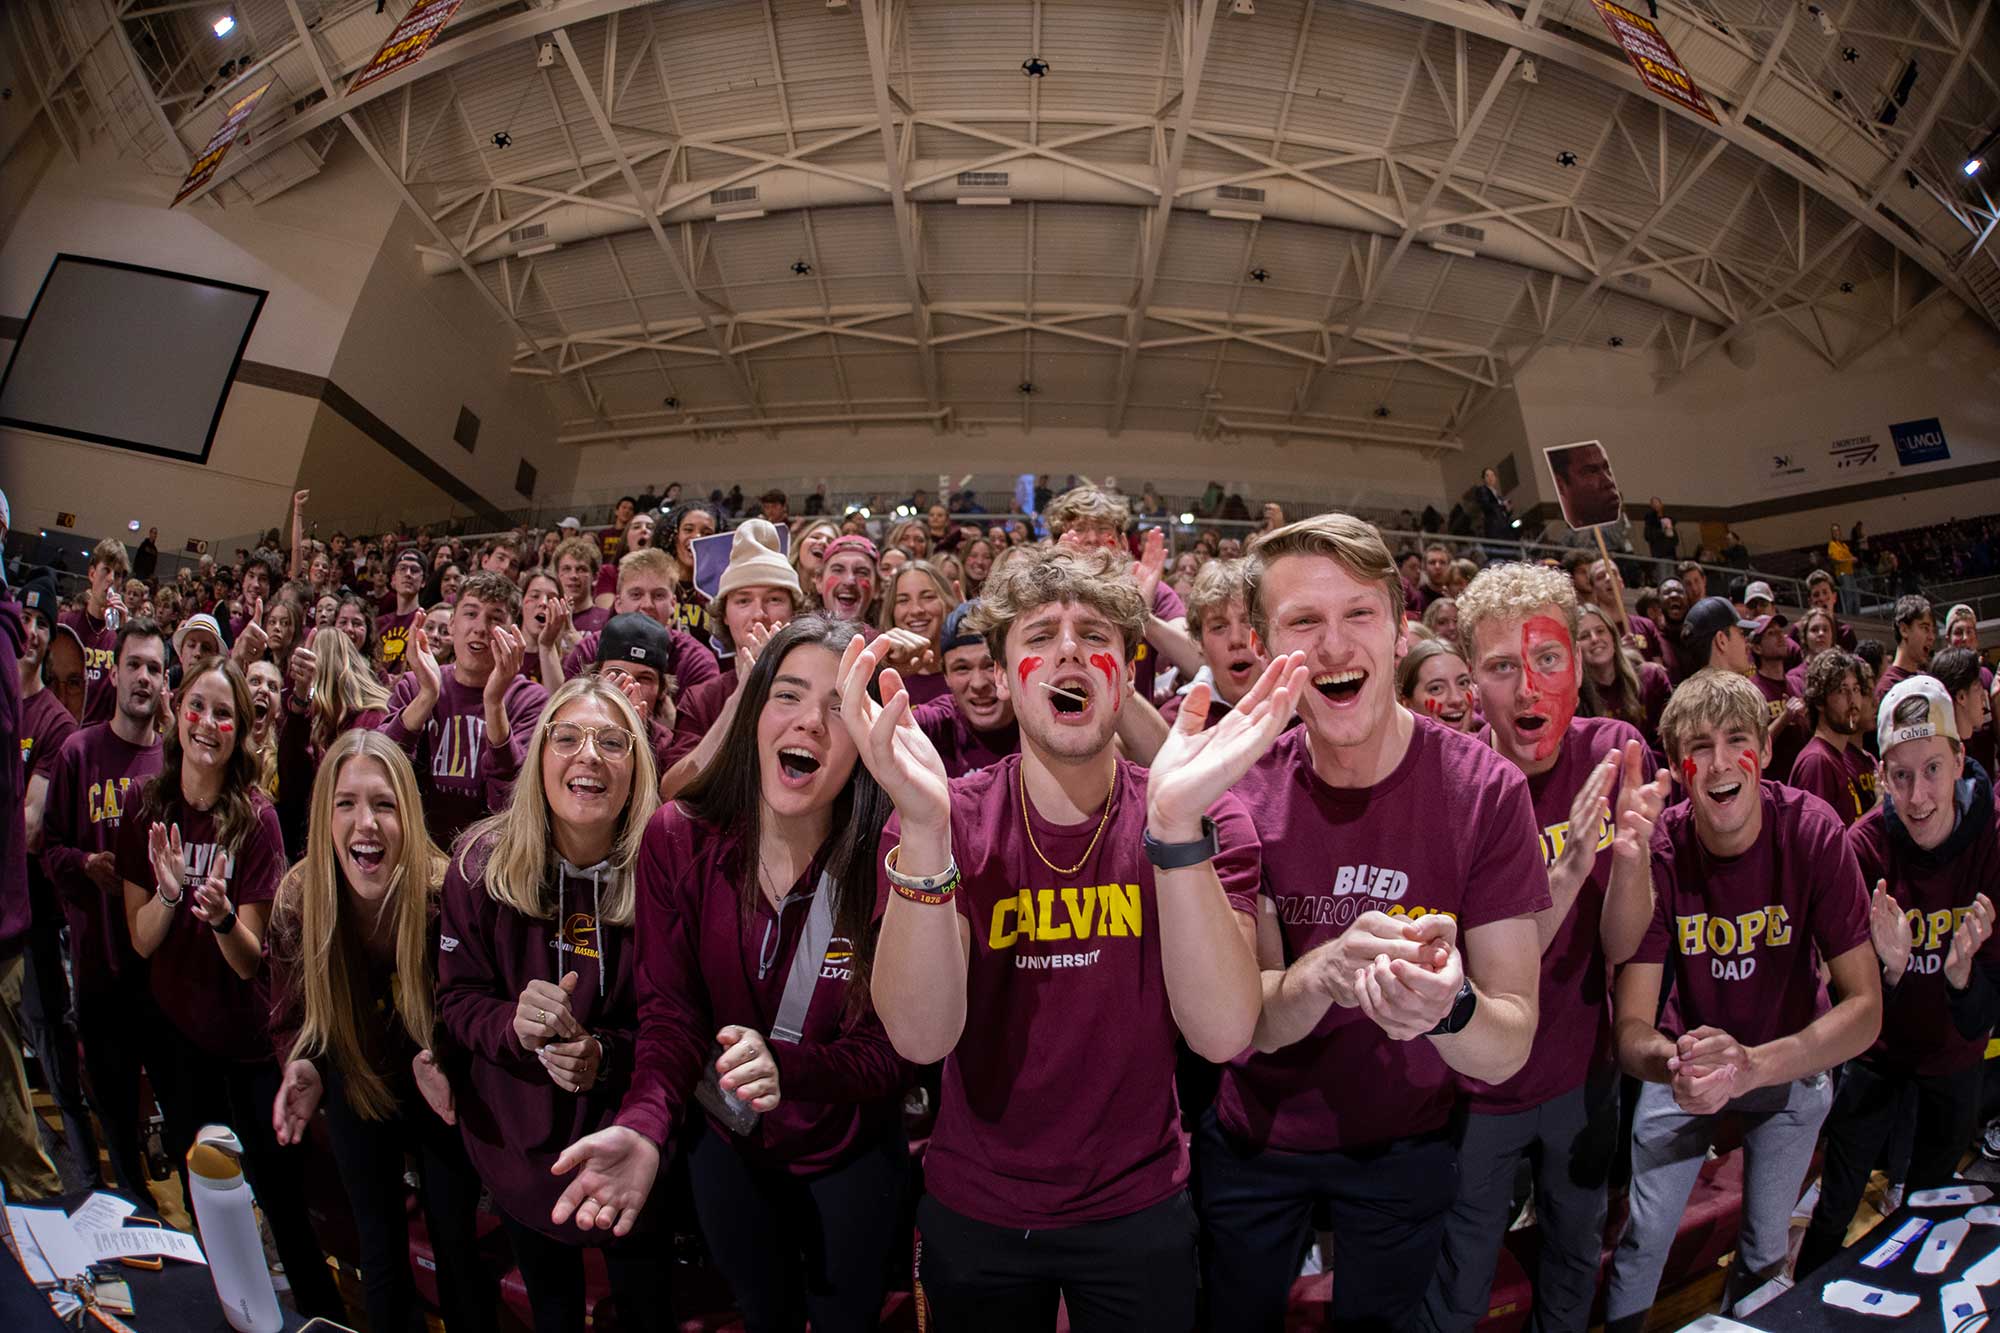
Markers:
point(225, 134)
point(1919, 442)
point(1646, 47)
point(407, 41)
point(1585, 487)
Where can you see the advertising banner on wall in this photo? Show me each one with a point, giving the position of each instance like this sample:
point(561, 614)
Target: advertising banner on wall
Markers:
point(218, 143)
point(1816, 464)
point(1920, 442)
point(407, 41)
point(1659, 68)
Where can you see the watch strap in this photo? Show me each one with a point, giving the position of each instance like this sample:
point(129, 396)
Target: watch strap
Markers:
point(1181, 855)
point(1461, 1013)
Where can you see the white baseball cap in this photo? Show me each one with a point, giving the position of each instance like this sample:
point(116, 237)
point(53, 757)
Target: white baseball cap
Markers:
point(1758, 592)
point(201, 620)
point(1939, 720)
point(571, 523)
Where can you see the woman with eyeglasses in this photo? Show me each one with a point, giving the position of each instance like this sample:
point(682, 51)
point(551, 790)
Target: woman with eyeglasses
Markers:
point(757, 1045)
point(200, 857)
point(537, 982)
point(354, 943)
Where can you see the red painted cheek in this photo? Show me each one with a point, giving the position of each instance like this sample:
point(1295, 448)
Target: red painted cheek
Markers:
point(193, 717)
point(1433, 707)
point(1688, 771)
point(225, 727)
point(1109, 666)
point(1747, 761)
point(1028, 667)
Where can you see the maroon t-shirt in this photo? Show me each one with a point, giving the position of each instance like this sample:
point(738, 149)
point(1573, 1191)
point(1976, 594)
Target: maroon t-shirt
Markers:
point(394, 631)
point(1737, 934)
point(461, 776)
point(1917, 1029)
point(960, 747)
point(1891, 673)
point(1843, 778)
point(100, 654)
point(590, 619)
point(91, 784)
point(1168, 606)
point(222, 1013)
point(1786, 741)
point(1451, 830)
point(1573, 1033)
point(701, 967)
point(1057, 1106)
point(45, 725)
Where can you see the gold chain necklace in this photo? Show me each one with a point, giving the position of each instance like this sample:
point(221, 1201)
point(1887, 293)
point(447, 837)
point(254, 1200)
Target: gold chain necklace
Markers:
point(1102, 824)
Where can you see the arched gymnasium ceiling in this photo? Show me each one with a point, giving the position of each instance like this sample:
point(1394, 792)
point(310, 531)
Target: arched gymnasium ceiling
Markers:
point(1342, 219)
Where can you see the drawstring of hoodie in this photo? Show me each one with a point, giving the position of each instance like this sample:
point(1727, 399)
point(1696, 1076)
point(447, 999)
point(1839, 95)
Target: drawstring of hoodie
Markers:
point(563, 947)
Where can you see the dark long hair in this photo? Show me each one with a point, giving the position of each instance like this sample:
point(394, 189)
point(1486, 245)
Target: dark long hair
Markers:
point(235, 808)
point(728, 794)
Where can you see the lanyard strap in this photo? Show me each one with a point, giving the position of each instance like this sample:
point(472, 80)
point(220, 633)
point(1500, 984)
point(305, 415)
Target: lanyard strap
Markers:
point(789, 1026)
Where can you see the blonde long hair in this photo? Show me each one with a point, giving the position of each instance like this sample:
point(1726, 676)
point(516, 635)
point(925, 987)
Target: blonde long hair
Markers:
point(313, 918)
point(344, 684)
point(513, 849)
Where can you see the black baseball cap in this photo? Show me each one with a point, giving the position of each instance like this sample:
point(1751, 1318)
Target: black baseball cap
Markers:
point(956, 635)
point(39, 598)
point(1709, 617)
point(634, 637)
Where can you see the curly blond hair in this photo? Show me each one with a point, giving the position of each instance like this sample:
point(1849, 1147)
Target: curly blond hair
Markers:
point(1033, 577)
point(1512, 591)
point(1086, 504)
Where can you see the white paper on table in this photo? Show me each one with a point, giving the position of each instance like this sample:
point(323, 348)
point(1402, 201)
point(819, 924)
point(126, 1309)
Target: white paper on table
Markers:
point(101, 1212)
point(1949, 1196)
point(130, 1242)
point(1941, 1245)
point(1987, 1271)
point(1864, 1299)
point(1985, 1215)
point(1964, 1309)
point(50, 1248)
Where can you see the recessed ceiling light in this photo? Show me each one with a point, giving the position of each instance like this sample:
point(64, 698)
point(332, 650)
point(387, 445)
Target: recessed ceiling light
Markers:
point(1566, 158)
point(225, 25)
point(1034, 67)
point(502, 139)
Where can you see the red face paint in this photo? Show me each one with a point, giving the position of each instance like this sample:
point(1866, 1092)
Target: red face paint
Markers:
point(193, 717)
point(1747, 761)
point(1029, 665)
point(1433, 706)
point(1545, 637)
point(1109, 666)
point(1688, 771)
point(225, 726)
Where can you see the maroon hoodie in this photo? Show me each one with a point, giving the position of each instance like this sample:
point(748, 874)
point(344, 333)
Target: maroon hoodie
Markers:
point(463, 778)
point(516, 1121)
point(702, 967)
point(92, 781)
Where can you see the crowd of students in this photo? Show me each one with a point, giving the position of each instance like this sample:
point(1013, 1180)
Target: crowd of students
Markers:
point(1311, 888)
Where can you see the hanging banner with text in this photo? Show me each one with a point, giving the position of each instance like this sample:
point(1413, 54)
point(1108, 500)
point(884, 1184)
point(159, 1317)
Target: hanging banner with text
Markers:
point(1659, 68)
point(407, 41)
point(225, 134)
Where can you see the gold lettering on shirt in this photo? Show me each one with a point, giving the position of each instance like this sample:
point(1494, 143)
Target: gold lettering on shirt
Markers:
point(1556, 836)
point(106, 799)
point(1703, 933)
point(1071, 913)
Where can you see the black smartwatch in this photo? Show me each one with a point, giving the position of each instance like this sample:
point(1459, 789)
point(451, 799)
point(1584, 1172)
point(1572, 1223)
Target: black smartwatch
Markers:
point(226, 925)
point(1181, 855)
point(1462, 1010)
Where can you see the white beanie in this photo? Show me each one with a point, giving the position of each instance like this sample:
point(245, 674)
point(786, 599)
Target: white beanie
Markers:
point(754, 562)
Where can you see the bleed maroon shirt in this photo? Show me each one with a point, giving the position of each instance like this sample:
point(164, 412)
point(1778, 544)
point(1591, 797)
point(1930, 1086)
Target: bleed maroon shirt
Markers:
point(1058, 1105)
point(1573, 1033)
point(1843, 778)
point(702, 967)
point(224, 1014)
point(1738, 934)
point(1451, 830)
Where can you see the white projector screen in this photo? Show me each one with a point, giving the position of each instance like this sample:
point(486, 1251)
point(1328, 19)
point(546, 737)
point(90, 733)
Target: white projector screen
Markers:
point(128, 356)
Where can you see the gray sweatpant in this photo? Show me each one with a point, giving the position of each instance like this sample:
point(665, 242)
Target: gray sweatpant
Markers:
point(1570, 1140)
point(1780, 1124)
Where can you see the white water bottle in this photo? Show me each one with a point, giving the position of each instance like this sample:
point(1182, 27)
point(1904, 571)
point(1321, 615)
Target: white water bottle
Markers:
point(225, 1215)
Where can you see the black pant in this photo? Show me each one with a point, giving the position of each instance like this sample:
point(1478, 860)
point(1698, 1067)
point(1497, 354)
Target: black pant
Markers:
point(800, 1247)
point(1133, 1273)
point(1388, 1207)
point(197, 1089)
point(122, 1031)
point(1862, 1118)
point(552, 1270)
point(50, 1027)
point(370, 1154)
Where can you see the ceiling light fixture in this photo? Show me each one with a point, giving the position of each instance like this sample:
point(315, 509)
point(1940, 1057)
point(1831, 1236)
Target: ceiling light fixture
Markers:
point(670, 402)
point(1035, 67)
point(1382, 410)
point(225, 25)
point(502, 139)
point(1847, 289)
point(1026, 386)
point(1260, 274)
point(1566, 158)
point(802, 268)
point(1849, 54)
point(1615, 340)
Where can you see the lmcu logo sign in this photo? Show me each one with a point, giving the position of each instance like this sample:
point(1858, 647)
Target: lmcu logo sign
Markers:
point(1919, 442)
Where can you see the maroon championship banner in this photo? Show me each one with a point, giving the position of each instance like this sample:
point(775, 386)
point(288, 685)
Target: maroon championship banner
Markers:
point(407, 41)
point(1659, 68)
point(218, 143)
